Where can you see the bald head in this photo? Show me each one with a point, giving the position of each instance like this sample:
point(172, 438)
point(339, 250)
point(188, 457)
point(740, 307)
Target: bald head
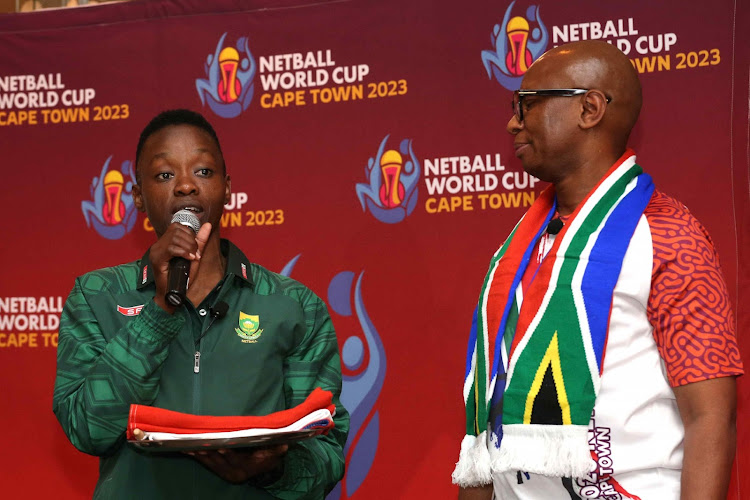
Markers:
point(595, 65)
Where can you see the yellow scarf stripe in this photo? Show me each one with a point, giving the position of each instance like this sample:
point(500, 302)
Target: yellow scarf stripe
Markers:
point(551, 357)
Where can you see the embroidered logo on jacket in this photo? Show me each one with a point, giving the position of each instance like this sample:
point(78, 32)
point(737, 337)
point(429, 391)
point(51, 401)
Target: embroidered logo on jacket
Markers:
point(130, 311)
point(249, 327)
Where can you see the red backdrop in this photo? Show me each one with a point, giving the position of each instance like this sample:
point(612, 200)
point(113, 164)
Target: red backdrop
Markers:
point(409, 71)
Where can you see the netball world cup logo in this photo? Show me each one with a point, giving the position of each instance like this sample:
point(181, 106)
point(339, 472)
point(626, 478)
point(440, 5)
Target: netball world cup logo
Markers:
point(111, 211)
point(228, 87)
point(518, 42)
point(391, 193)
point(363, 360)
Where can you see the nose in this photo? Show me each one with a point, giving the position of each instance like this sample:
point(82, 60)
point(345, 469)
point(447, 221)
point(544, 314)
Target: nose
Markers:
point(514, 126)
point(185, 185)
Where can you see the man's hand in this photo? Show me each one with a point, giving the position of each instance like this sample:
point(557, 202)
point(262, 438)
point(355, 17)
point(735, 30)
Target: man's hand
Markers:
point(177, 241)
point(241, 465)
point(708, 412)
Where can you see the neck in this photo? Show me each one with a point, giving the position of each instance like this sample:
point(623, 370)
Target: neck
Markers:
point(573, 188)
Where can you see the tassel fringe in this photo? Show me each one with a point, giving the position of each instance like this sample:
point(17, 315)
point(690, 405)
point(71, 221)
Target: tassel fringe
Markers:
point(551, 450)
point(473, 466)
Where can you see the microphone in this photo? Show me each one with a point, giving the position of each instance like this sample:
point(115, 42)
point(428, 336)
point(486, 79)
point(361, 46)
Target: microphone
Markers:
point(217, 311)
point(554, 226)
point(178, 275)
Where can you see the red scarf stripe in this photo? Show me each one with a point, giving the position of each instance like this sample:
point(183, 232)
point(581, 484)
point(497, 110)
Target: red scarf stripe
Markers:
point(509, 265)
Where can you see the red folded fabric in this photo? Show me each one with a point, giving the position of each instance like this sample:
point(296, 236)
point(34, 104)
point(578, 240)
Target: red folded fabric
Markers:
point(151, 419)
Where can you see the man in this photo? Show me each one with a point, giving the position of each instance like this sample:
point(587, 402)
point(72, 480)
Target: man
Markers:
point(185, 358)
point(601, 264)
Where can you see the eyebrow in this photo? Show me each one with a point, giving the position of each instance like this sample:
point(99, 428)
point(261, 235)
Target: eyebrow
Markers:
point(164, 154)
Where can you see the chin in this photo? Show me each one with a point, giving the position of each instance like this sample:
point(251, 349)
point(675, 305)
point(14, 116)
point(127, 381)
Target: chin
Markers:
point(536, 170)
point(531, 169)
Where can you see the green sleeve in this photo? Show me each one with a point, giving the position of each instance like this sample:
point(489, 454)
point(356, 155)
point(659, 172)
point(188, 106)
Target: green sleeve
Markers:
point(99, 377)
point(313, 467)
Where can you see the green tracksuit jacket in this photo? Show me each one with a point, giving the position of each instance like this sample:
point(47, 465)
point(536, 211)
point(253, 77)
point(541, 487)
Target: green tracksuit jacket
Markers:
point(117, 347)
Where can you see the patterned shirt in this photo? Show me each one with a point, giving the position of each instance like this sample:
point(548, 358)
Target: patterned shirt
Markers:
point(117, 347)
point(672, 329)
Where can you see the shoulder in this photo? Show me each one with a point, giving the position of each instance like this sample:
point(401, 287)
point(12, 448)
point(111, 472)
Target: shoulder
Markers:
point(676, 234)
point(270, 283)
point(266, 282)
point(670, 219)
point(113, 279)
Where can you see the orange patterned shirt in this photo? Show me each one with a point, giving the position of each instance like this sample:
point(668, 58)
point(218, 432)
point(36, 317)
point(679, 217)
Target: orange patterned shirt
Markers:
point(689, 304)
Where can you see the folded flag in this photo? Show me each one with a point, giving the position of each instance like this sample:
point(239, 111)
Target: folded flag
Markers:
point(158, 420)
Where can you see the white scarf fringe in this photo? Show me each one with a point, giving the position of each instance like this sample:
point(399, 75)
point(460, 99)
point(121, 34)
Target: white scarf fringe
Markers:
point(551, 450)
point(473, 466)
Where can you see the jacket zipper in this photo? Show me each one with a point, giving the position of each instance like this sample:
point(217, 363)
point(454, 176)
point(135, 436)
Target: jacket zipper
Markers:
point(197, 378)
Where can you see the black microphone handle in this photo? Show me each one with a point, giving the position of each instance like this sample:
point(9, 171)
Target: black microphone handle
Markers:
point(177, 281)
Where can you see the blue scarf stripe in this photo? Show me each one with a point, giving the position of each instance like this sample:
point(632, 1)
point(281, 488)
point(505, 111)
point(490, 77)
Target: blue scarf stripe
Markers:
point(516, 280)
point(472, 342)
point(614, 239)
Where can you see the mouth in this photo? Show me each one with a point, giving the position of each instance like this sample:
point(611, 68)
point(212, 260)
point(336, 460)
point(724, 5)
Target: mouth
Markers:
point(196, 209)
point(520, 147)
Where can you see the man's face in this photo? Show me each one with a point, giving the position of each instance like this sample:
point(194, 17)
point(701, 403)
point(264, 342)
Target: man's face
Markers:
point(180, 167)
point(544, 138)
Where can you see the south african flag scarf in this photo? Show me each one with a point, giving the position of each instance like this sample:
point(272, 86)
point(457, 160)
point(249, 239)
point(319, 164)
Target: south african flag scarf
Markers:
point(533, 372)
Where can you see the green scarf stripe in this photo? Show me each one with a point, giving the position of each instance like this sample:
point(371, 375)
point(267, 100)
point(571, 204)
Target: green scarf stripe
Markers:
point(580, 388)
point(471, 409)
point(578, 383)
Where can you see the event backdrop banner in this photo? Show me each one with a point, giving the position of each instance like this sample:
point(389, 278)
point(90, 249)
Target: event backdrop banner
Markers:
point(369, 159)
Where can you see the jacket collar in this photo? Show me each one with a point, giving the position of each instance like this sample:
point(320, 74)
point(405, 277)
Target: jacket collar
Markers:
point(237, 265)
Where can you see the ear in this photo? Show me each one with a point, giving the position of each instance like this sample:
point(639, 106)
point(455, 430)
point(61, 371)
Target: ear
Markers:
point(594, 105)
point(227, 190)
point(138, 198)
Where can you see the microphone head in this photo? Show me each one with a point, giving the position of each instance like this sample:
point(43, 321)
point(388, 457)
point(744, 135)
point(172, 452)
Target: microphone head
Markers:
point(554, 226)
point(186, 218)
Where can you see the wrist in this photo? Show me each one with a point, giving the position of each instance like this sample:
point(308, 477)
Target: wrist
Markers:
point(161, 302)
point(265, 479)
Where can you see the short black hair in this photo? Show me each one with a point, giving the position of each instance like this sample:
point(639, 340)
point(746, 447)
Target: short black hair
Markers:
point(174, 117)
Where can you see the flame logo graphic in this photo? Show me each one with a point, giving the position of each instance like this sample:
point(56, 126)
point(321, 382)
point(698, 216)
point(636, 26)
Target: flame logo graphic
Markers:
point(111, 211)
point(363, 357)
point(391, 194)
point(228, 88)
point(516, 45)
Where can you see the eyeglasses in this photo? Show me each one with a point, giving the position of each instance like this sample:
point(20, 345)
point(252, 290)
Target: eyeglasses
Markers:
point(518, 96)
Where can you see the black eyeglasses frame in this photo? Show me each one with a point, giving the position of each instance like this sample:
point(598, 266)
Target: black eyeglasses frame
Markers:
point(518, 95)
